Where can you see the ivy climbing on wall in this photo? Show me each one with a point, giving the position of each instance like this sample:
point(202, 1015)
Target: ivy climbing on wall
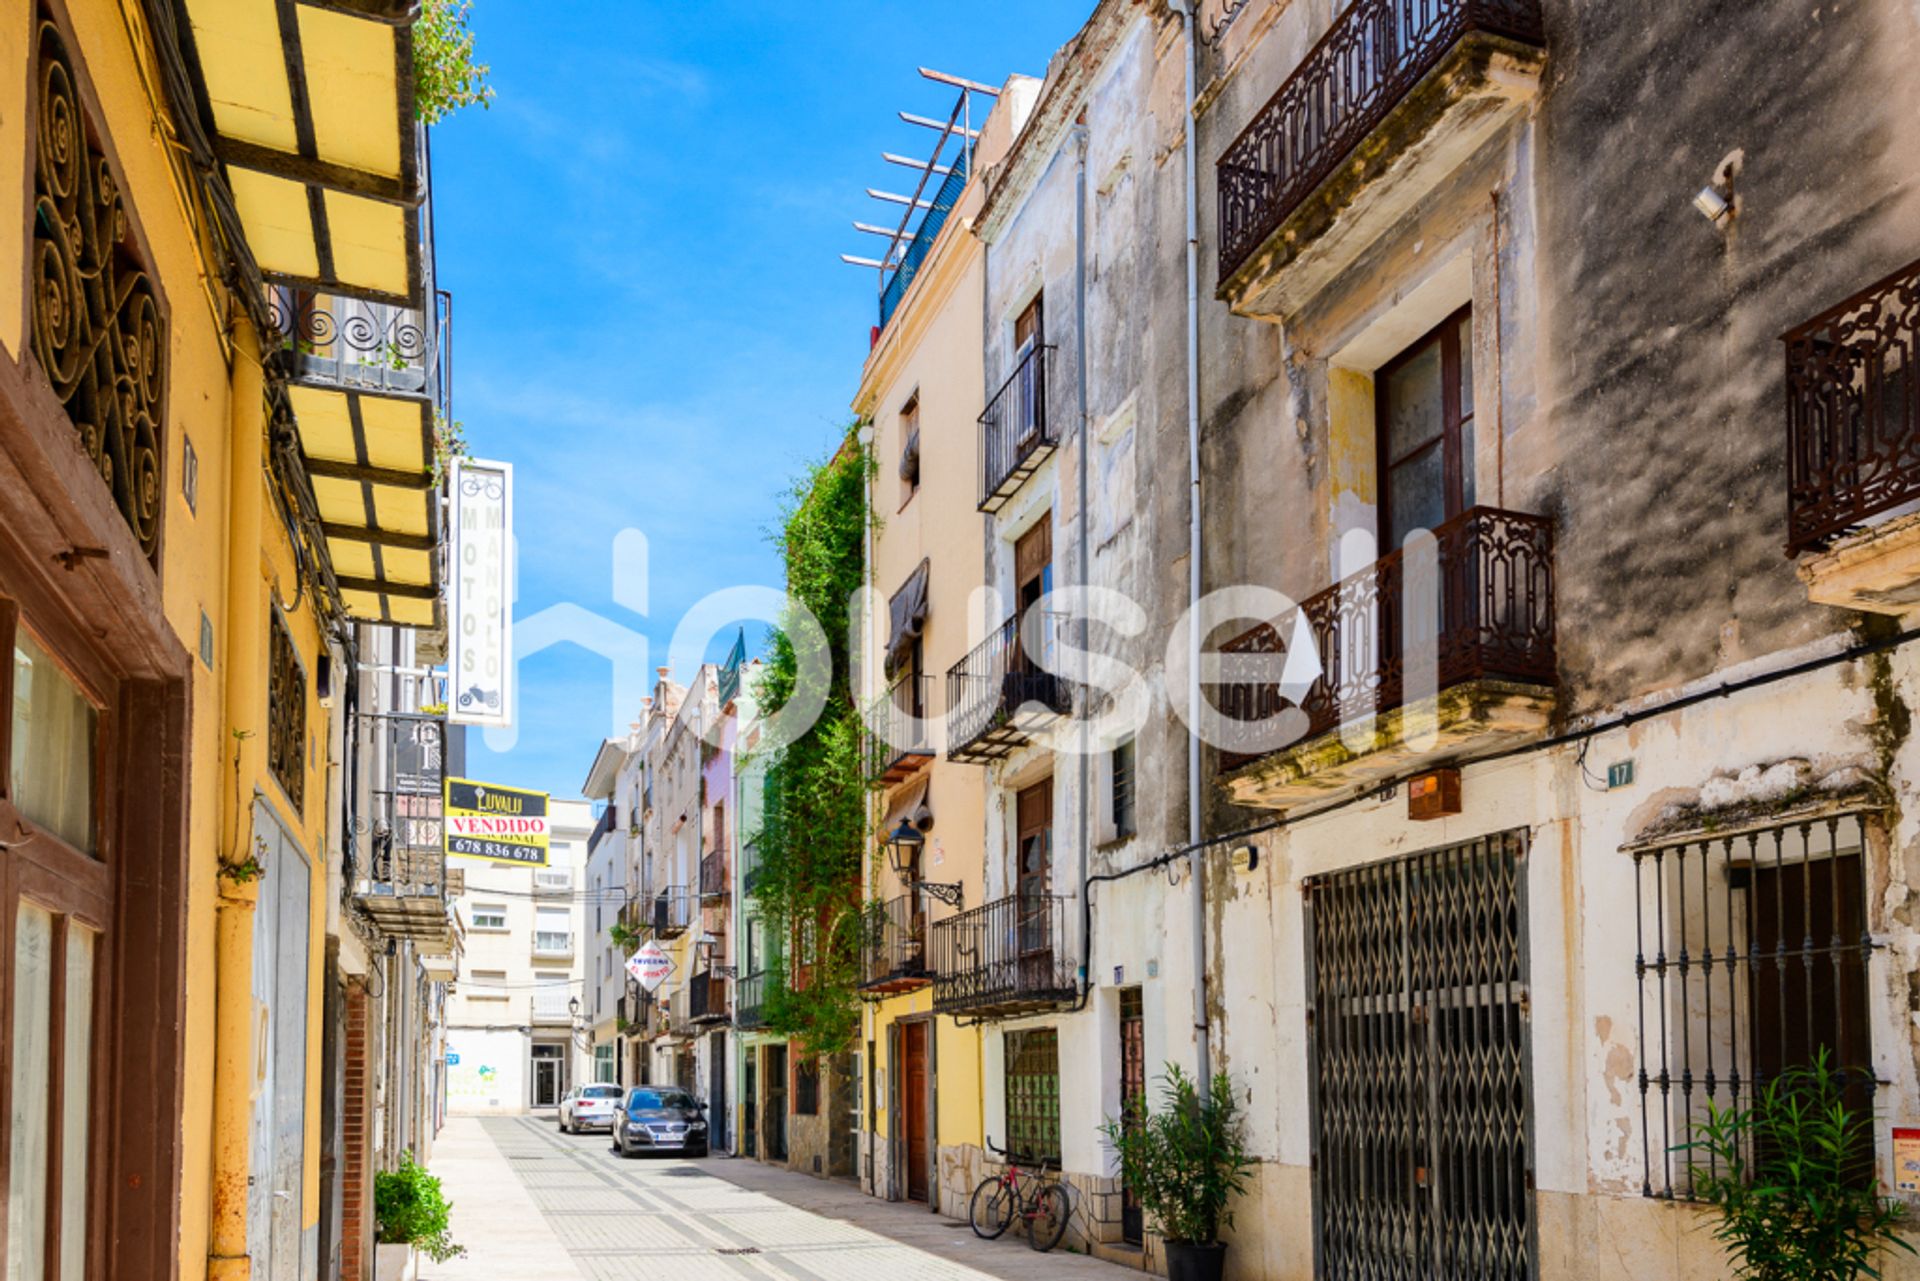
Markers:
point(808, 886)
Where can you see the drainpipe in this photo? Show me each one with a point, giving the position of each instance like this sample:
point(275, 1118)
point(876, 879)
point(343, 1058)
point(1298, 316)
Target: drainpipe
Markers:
point(1196, 863)
point(1084, 569)
point(234, 1005)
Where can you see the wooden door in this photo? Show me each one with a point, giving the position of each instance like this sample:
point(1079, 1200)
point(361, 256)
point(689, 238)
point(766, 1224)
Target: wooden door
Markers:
point(913, 1109)
point(1034, 814)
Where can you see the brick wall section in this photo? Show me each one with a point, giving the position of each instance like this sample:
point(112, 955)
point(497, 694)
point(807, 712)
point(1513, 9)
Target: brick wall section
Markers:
point(356, 1140)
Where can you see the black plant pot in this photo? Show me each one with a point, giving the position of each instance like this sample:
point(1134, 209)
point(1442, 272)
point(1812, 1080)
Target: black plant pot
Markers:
point(1194, 1261)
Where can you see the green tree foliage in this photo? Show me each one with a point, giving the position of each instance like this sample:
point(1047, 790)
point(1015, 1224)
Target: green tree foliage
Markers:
point(1792, 1179)
point(445, 76)
point(808, 886)
point(410, 1209)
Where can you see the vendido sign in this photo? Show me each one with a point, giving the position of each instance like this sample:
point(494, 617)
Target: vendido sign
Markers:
point(480, 594)
point(500, 824)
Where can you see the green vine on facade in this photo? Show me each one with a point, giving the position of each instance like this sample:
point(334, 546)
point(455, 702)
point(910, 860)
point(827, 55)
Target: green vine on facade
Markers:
point(445, 76)
point(808, 884)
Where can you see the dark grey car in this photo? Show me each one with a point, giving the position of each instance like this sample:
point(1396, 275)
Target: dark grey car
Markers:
point(660, 1118)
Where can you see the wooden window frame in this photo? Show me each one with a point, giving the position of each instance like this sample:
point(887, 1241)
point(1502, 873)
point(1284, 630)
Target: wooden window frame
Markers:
point(1456, 468)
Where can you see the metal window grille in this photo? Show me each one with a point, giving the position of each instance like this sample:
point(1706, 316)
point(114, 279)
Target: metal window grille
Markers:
point(1752, 957)
point(1033, 1094)
point(1422, 1155)
point(1123, 789)
point(286, 713)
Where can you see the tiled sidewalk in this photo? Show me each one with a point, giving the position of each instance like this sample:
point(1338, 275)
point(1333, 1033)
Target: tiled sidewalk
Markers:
point(532, 1204)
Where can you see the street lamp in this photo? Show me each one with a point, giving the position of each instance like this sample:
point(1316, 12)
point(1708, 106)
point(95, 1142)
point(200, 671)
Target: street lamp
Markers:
point(904, 844)
point(903, 847)
point(573, 1007)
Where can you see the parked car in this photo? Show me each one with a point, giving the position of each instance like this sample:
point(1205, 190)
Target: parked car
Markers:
point(660, 1118)
point(589, 1107)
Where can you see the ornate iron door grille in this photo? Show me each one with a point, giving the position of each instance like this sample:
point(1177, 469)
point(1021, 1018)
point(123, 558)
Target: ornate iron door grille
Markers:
point(1422, 1106)
point(1033, 1094)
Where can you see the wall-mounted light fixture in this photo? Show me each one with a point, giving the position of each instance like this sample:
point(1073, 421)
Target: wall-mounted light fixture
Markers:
point(1716, 201)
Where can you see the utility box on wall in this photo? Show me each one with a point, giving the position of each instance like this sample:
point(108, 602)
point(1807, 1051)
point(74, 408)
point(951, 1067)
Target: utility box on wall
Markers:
point(1434, 794)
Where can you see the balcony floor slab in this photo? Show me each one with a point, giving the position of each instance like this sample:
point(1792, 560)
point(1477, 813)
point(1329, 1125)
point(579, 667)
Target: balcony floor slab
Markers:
point(1467, 720)
point(1876, 571)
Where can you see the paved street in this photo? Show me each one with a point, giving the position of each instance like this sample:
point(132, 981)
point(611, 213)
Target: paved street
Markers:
point(532, 1204)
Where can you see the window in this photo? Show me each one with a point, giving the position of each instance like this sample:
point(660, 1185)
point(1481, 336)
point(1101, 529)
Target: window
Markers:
point(51, 774)
point(1424, 403)
point(1034, 812)
point(603, 1072)
point(1033, 1094)
point(910, 448)
point(806, 1085)
point(489, 916)
point(1753, 956)
point(1122, 789)
point(552, 931)
point(488, 985)
point(552, 879)
point(286, 714)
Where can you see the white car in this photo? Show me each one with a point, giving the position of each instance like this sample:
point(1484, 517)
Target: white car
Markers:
point(590, 1107)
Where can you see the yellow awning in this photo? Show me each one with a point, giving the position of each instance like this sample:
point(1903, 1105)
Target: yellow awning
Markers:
point(369, 456)
point(313, 117)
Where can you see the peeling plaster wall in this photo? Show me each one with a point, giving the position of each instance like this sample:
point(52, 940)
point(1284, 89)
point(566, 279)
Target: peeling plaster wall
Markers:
point(1632, 389)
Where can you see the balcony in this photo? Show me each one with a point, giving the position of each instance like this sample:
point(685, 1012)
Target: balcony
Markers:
point(749, 1002)
point(894, 954)
point(672, 912)
point(1017, 433)
point(399, 869)
point(713, 874)
point(1483, 641)
point(552, 945)
point(337, 343)
point(899, 732)
point(707, 998)
point(1853, 448)
point(550, 1003)
point(998, 698)
point(1004, 958)
point(1393, 100)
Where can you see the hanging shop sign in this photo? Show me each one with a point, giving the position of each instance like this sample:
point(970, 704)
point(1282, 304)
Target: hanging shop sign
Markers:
point(480, 594)
point(499, 824)
point(650, 966)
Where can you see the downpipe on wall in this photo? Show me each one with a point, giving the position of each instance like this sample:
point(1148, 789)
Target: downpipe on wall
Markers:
point(1085, 568)
point(1196, 861)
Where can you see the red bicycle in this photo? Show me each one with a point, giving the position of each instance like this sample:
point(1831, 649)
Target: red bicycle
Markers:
point(1023, 1191)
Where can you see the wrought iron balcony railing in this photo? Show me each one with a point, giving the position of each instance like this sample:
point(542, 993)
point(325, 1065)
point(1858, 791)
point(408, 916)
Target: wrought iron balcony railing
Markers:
point(713, 874)
point(1016, 432)
point(997, 696)
point(672, 912)
point(899, 730)
point(1367, 63)
point(895, 955)
point(348, 343)
point(1004, 957)
point(1494, 581)
point(706, 998)
point(1853, 411)
point(749, 1002)
point(399, 866)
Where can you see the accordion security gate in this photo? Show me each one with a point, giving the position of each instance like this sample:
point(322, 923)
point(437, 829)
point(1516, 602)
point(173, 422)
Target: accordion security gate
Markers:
point(1422, 1118)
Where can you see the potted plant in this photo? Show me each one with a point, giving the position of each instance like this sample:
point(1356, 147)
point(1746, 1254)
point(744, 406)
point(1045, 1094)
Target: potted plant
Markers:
point(410, 1214)
point(1792, 1179)
point(1185, 1162)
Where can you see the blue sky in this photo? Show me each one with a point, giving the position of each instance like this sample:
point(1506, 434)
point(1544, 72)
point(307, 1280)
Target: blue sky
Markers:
point(652, 323)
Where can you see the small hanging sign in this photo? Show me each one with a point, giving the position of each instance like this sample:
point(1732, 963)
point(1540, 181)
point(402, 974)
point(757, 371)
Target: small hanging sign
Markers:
point(1906, 1159)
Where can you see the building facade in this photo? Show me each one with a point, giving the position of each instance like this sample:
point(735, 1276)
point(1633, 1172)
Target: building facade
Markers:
point(187, 545)
point(517, 1022)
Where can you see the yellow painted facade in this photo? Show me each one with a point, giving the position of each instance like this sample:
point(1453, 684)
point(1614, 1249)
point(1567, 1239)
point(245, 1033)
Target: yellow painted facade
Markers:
point(929, 356)
point(226, 564)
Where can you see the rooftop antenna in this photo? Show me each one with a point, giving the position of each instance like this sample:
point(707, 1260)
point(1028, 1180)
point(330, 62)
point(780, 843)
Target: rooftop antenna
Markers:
point(943, 164)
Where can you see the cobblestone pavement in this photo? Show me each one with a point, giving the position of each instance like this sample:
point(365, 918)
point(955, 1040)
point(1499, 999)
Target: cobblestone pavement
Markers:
point(532, 1204)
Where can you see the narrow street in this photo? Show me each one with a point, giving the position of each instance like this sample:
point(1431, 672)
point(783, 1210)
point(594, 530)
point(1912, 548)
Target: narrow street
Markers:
point(532, 1204)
